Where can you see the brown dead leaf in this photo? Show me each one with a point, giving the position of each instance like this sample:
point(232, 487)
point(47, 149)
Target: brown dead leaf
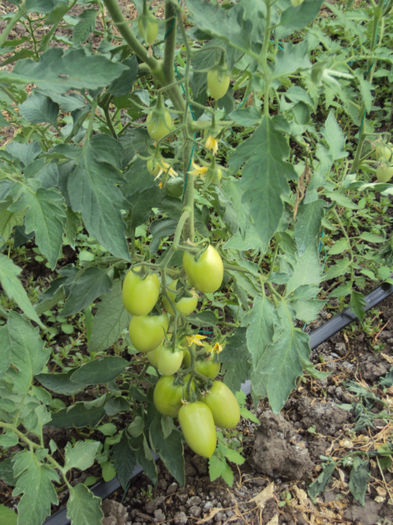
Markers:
point(266, 494)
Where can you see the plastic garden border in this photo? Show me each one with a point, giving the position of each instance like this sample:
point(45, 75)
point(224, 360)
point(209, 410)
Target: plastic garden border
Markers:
point(317, 336)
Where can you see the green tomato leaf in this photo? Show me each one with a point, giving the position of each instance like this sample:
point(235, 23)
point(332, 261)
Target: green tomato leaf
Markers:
point(290, 59)
point(81, 455)
point(81, 414)
point(7, 516)
point(334, 137)
point(85, 25)
point(216, 467)
point(14, 289)
point(26, 353)
point(236, 360)
point(45, 217)
point(279, 351)
point(99, 371)
point(83, 508)
point(170, 449)
point(87, 286)
point(109, 321)
point(265, 177)
point(34, 482)
point(8, 220)
point(60, 71)
point(93, 191)
point(357, 304)
point(124, 460)
point(308, 224)
point(226, 24)
point(39, 108)
point(59, 383)
point(296, 18)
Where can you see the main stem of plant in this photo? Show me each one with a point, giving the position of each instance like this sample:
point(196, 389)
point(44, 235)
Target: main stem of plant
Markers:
point(163, 73)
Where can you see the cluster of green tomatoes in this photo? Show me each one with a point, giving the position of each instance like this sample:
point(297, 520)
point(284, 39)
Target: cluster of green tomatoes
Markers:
point(187, 387)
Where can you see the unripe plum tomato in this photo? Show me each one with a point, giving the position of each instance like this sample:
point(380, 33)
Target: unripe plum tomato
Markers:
point(185, 305)
point(159, 123)
point(140, 295)
point(174, 187)
point(217, 82)
point(153, 166)
point(167, 396)
point(165, 360)
point(207, 272)
point(148, 27)
point(208, 367)
point(148, 331)
point(205, 366)
point(223, 404)
point(384, 152)
point(384, 173)
point(199, 431)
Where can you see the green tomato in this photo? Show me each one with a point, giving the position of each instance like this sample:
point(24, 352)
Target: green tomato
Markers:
point(174, 187)
point(207, 366)
point(148, 27)
point(296, 3)
point(384, 173)
point(148, 331)
point(159, 123)
point(197, 424)
point(140, 295)
point(185, 305)
point(383, 152)
point(207, 272)
point(223, 404)
point(165, 360)
point(153, 166)
point(167, 396)
point(218, 82)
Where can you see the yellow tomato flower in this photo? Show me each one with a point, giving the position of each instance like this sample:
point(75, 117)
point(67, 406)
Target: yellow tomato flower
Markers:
point(165, 168)
point(212, 144)
point(195, 339)
point(198, 170)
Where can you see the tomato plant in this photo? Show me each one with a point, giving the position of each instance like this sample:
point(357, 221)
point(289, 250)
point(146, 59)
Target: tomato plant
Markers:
point(206, 272)
point(223, 404)
point(148, 331)
point(140, 294)
point(89, 187)
point(165, 360)
point(197, 424)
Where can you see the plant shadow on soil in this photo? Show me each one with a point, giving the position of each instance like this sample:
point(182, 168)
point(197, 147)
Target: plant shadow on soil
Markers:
point(284, 452)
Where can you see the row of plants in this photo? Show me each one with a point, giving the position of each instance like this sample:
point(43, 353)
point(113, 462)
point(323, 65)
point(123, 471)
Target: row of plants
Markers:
point(218, 175)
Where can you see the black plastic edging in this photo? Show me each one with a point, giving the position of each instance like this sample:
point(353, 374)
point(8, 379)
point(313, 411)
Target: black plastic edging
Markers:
point(317, 336)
